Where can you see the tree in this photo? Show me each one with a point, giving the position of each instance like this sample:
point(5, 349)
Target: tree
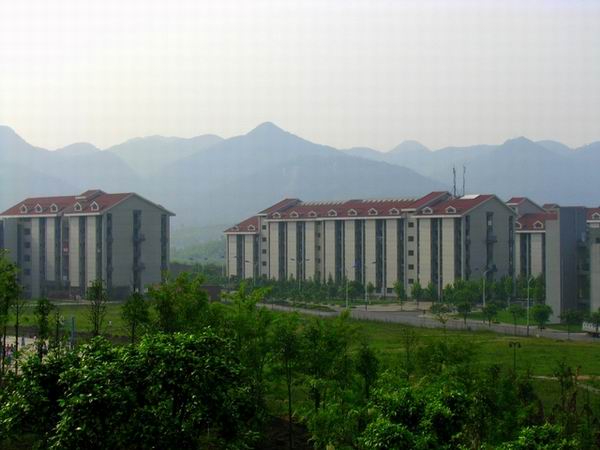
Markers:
point(97, 297)
point(400, 292)
point(135, 313)
point(409, 341)
point(571, 317)
point(539, 289)
point(441, 312)
point(18, 307)
point(416, 292)
point(490, 311)
point(370, 289)
point(180, 303)
point(42, 312)
point(367, 365)
point(541, 314)
point(9, 294)
point(431, 292)
point(286, 345)
point(516, 311)
point(507, 286)
point(594, 317)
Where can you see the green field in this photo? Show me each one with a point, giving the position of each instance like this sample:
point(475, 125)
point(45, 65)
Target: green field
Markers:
point(540, 355)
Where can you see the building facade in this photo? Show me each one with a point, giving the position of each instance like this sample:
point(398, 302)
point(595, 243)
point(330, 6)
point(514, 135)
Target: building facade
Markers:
point(433, 239)
point(62, 244)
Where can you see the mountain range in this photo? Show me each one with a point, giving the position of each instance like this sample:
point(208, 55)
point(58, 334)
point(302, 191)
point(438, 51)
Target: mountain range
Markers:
point(208, 180)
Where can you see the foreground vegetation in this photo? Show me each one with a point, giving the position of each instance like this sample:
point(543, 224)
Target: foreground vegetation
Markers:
point(211, 375)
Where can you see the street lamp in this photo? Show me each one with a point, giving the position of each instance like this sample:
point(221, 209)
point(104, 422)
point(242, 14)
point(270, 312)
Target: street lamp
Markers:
point(528, 281)
point(514, 345)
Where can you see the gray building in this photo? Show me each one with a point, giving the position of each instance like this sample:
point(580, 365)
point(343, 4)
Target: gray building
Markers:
point(63, 244)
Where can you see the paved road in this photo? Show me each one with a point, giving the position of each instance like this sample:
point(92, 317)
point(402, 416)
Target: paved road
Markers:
point(417, 319)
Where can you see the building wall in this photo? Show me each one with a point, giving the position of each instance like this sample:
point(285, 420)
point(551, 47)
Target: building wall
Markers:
point(309, 250)
point(518, 237)
point(349, 249)
point(35, 258)
point(391, 254)
point(370, 251)
point(90, 250)
point(594, 245)
point(249, 256)
point(448, 252)
point(329, 247)
point(424, 251)
point(10, 238)
point(537, 253)
point(263, 247)
point(50, 249)
point(274, 250)
point(232, 255)
point(412, 260)
point(292, 260)
point(74, 251)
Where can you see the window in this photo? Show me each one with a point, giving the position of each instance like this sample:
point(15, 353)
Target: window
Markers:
point(27, 244)
point(318, 248)
point(411, 239)
point(264, 251)
point(598, 240)
point(264, 239)
point(264, 227)
point(264, 263)
point(53, 208)
point(94, 206)
point(411, 281)
point(27, 231)
point(411, 267)
point(27, 272)
point(411, 253)
point(390, 290)
point(27, 258)
point(411, 224)
point(77, 207)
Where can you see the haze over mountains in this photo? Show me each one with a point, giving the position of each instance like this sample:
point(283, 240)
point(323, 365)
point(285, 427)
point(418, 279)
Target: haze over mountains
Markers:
point(209, 180)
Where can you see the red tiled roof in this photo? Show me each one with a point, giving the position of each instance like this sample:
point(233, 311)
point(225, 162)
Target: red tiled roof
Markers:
point(281, 206)
point(347, 208)
point(429, 199)
point(516, 200)
point(534, 221)
point(593, 213)
point(455, 206)
point(42, 206)
point(249, 225)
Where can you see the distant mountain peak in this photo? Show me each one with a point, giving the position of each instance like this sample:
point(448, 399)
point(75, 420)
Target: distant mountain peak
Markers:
point(518, 141)
point(267, 128)
point(78, 148)
point(410, 146)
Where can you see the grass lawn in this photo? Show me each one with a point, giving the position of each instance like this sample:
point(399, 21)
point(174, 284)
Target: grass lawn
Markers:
point(505, 317)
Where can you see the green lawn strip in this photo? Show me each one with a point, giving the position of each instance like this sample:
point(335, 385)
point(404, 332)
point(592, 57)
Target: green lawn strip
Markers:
point(505, 317)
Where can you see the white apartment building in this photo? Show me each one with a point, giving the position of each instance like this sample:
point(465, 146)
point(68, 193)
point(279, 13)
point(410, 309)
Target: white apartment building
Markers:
point(63, 244)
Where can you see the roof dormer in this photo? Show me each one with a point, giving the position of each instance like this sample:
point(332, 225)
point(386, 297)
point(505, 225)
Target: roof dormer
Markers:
point(54, 208)
point(236, 228)
point(352, 212)
point(427, 210)
point(312, 214)
point(450, 210)
point(538, 225)
point(77, 207)
point(23, 209)
point(251, 228)
point(38, 208)
point(394, 212)
point(294, 215)
point(332, 213)
point(596, 216)
point(94, 206)
point(518, 225)
point(276, 215)
point(373, 212)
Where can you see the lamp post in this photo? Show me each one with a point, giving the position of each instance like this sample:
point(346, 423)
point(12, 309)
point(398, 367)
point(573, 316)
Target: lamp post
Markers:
point(514, 345)
point(528, 281)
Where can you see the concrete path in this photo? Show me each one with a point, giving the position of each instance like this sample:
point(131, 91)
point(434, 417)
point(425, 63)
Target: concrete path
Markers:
point(392, 314)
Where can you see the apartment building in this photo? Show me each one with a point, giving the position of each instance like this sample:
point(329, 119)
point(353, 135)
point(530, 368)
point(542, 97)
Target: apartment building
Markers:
point(63, 244)
point(433, 239)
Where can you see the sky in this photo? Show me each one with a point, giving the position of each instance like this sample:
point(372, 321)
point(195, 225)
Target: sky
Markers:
point(338, 72)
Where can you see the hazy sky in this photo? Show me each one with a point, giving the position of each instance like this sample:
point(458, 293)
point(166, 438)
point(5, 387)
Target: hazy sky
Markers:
point(344, 73)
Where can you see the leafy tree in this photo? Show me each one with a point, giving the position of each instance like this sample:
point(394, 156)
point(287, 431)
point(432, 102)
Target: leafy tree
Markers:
point(287, 346)
point(541, 314)
point(370, 289)
point(400, 292)
point(180, 303)
point(135, 313)
point(539, 289)
point(516, 311)
point(97, 297)
point(42, 312)
point(416, 292)
point(355, 290)
point(441, 311)
point(18, 306)
point(367, 365)
point(546, 436)
point(431, 292)
point(507, 285)
point(170, 391)
point(409, 341)
point(9, 294)
point(571, 317)
point(490, 312)
point(594, 317)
